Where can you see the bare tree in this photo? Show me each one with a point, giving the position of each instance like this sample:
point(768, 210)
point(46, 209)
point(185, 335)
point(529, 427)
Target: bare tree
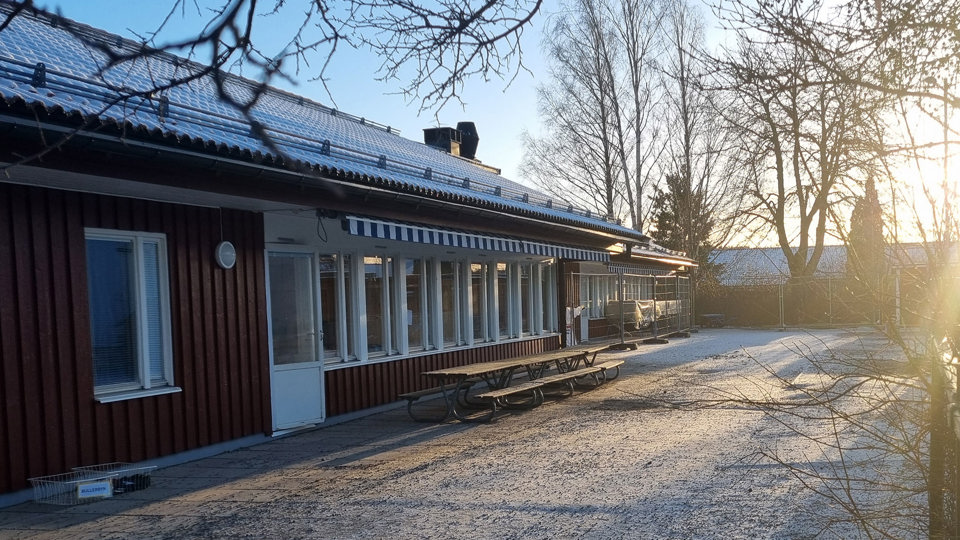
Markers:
point(599, 111)
point(800, 147)
point(696, 192)
point(639, 121)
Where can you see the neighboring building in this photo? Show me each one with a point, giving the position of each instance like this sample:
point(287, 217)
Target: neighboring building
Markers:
point(169, 285)
point(738, 267)
point(754, 288)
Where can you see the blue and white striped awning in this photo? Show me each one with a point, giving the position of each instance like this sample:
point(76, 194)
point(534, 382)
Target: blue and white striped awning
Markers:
point(421, 234)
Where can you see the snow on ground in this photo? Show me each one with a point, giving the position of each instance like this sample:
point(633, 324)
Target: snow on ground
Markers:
point(620, 461)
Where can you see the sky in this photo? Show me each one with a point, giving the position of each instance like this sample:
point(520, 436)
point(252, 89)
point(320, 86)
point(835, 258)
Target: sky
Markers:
point(501, 109)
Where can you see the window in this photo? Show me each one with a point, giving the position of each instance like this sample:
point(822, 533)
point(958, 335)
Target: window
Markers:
point(402, 305)
point(381, 305)
point(328, 272)
point(416, 304)
point(549, 299)
point(450, 302)
point(478, 296)
point(348, 350)
point(503, 300)
point(586, 300)
point(526, 301)
point(129, 314)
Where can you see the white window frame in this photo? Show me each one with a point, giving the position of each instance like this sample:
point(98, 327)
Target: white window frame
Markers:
point(513, 300)
point(482, 302)
point(144, 386)
point(466, 303)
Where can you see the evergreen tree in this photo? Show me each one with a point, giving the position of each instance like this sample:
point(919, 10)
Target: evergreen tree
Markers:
point(682, 220)
point(866, 260)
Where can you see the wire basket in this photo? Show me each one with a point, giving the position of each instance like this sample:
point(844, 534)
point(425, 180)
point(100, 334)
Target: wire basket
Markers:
point(72, 487)
point(126, 477)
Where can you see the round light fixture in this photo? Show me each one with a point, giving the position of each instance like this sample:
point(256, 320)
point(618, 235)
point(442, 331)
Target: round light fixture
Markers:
point(226, 255)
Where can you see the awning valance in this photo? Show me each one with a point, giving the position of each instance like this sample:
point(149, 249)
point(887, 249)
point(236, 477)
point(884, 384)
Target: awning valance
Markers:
point(621, 268)
point(421, 234)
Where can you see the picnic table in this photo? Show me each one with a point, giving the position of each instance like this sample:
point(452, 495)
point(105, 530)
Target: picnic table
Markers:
point(573, 365)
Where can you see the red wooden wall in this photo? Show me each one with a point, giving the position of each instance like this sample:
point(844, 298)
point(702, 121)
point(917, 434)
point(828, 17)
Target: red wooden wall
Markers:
point(368, 385)
point(50, 420)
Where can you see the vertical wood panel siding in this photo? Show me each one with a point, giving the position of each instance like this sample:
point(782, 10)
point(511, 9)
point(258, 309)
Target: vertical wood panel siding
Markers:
point(364, 386)
point(601, 328)
point(50, 421)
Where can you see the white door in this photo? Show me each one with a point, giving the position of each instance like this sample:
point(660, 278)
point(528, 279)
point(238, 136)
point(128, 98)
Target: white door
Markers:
point(296, 367)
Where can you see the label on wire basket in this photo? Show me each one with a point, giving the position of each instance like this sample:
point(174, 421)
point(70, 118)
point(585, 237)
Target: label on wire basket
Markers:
point(102, 488)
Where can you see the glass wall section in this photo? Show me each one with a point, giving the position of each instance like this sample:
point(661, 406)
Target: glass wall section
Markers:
point(503, 300)
point(393, 325)
point(548, 302)
point(602, 288)
point(450, 302)
point(349, 306)
point(416, 304)
point(637, 287)
point(375, 305)
point(526, 300)
point(375, 288)
point(585, 298)
point(478, 296)
point(327, 274)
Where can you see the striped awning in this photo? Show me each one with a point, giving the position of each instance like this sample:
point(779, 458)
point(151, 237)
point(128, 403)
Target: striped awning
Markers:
point(622, 268)
point(408, 232)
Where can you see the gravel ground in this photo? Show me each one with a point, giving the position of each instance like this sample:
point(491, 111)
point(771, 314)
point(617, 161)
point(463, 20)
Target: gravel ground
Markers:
point(614, 462)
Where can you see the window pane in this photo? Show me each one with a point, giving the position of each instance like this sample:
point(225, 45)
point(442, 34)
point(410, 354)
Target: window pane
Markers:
point(292, 308)
point(503, 300)
point(546, 291)
point(415, 292)
point(448, 294)
point(374, 286)
point(153, 312)
point(391, 315)
point(113, 324)
point(479, 297)
point(525, 306)
point(328, 304)
point(585, 292)
point(348, 306)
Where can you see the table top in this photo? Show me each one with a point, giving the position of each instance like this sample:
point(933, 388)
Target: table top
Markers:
point(472, 370)
point(481, 368)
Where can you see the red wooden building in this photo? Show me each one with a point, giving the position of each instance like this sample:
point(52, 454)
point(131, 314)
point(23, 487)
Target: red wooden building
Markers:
point(170, 286)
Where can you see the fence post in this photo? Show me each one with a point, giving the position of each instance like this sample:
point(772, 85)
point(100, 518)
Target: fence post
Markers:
point(780, 288)
point(677, 296)
point(620, 274)
point(830, 300)
point(656, 331)
point(896, 298)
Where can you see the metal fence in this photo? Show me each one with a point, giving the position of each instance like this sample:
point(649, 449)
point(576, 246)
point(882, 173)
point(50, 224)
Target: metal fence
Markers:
point(631, 306)
point(834, 300)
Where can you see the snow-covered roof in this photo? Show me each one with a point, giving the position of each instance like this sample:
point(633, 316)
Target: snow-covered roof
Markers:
point(919, 254)
point(76, 82)
point(757, 266)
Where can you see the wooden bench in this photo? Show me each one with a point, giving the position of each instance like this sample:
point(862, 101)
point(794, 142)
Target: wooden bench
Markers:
point(567, 378)
point(414, 396)
point(607, 366)
point(497, 397)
